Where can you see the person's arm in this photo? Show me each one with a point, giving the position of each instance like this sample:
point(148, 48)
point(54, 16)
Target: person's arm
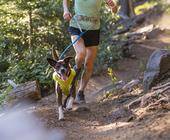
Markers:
point(67, 15)
point(112, 4)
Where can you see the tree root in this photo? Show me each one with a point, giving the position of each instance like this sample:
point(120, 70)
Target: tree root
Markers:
point(158, 97)
point(161, 86)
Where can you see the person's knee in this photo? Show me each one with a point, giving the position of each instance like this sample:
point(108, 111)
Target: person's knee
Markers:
point(80, 51)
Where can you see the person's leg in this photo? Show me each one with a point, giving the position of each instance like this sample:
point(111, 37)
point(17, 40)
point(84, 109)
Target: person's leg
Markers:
point(91, 53)
point(80, 50)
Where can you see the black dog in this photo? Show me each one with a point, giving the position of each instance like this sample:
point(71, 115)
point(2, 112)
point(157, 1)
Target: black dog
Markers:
point(65, 81)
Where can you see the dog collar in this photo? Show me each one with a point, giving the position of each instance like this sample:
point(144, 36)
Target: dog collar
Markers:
point(64, 84)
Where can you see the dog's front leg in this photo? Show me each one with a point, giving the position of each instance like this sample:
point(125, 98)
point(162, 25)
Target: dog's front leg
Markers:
point(72, 97)
point(60, 107)
point(72, 93)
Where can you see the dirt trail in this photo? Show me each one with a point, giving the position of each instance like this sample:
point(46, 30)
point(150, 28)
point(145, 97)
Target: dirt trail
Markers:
point(98, 123)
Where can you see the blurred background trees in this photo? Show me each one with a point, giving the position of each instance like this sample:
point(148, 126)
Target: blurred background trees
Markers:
point(28, 31)
point(30, 28)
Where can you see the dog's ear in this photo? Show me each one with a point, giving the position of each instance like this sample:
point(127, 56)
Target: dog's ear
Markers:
point(67, 59)
point(51, 62)
point(55, 54)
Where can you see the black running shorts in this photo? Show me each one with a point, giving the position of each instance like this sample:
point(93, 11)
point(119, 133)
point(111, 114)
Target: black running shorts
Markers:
point(91, 37)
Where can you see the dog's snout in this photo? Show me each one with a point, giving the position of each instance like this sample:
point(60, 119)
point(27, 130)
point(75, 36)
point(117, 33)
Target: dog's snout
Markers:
point(63, 71)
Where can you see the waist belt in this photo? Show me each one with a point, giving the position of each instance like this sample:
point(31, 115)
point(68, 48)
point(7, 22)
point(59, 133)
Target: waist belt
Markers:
point(86, 18)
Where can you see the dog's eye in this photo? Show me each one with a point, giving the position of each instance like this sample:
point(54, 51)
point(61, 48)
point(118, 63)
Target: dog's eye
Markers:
point(57, 66)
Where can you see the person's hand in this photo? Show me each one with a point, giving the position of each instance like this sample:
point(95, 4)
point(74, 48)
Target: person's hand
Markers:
point(112, 5)
point(67, 15)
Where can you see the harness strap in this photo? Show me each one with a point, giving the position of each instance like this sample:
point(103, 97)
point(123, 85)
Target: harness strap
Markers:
point(65, 85)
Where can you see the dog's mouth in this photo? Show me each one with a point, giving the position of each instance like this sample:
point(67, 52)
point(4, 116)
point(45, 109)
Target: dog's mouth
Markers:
point(64, 77)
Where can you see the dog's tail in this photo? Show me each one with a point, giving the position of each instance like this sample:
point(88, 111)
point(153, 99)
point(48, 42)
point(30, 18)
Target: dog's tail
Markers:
point(55, 54)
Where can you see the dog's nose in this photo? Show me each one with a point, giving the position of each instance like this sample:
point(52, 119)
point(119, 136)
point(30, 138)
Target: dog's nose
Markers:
point(62, 71)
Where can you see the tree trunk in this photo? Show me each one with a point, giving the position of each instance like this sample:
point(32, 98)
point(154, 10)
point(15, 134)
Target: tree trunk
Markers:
point(29, 90)
point(30, 29)
point(131, 9)
point(127, 9)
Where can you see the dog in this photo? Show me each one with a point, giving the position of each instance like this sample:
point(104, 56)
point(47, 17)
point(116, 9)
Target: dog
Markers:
point(65, 82)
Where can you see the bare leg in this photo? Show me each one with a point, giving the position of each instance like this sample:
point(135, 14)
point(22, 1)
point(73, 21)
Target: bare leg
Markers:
point(80, 50)
point(91, 53)
point(86, 56)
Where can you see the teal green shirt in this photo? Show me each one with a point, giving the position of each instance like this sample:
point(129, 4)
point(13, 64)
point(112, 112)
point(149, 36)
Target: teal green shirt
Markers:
point(87, 12)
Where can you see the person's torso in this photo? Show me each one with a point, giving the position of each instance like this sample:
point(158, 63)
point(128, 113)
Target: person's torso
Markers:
point(87, 13)
point(89, 8)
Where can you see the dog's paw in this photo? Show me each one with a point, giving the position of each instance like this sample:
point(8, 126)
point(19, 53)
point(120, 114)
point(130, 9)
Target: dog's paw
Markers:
point(69, 109)
point(61, 114)
point(70, 104)
point(61, 119)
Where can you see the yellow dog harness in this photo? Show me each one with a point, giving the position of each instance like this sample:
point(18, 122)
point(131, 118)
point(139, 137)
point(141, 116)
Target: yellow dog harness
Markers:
point(65, 85)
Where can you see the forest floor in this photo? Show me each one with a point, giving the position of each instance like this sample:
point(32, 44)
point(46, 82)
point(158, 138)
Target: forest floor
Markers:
point(98, 123)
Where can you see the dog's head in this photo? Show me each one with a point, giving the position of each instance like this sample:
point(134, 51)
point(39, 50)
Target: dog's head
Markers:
point(61, 67)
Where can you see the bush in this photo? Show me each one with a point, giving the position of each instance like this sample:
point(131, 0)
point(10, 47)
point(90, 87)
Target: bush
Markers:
point(25, 43)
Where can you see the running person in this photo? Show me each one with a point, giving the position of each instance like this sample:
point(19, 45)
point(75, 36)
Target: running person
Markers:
point(86, 17)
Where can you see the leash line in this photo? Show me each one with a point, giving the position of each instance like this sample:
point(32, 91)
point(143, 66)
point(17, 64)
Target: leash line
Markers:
point(71, 44)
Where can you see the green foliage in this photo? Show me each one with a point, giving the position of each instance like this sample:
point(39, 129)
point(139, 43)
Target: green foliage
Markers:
point(147, 5)
point(108, 53)
point(112, 75)
point(28, 31)
point(32, 67)
point(25, 43)
point(4, 94)
point(166, 7)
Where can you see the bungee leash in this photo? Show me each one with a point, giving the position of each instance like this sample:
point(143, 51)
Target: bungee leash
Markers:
point(71, 44)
